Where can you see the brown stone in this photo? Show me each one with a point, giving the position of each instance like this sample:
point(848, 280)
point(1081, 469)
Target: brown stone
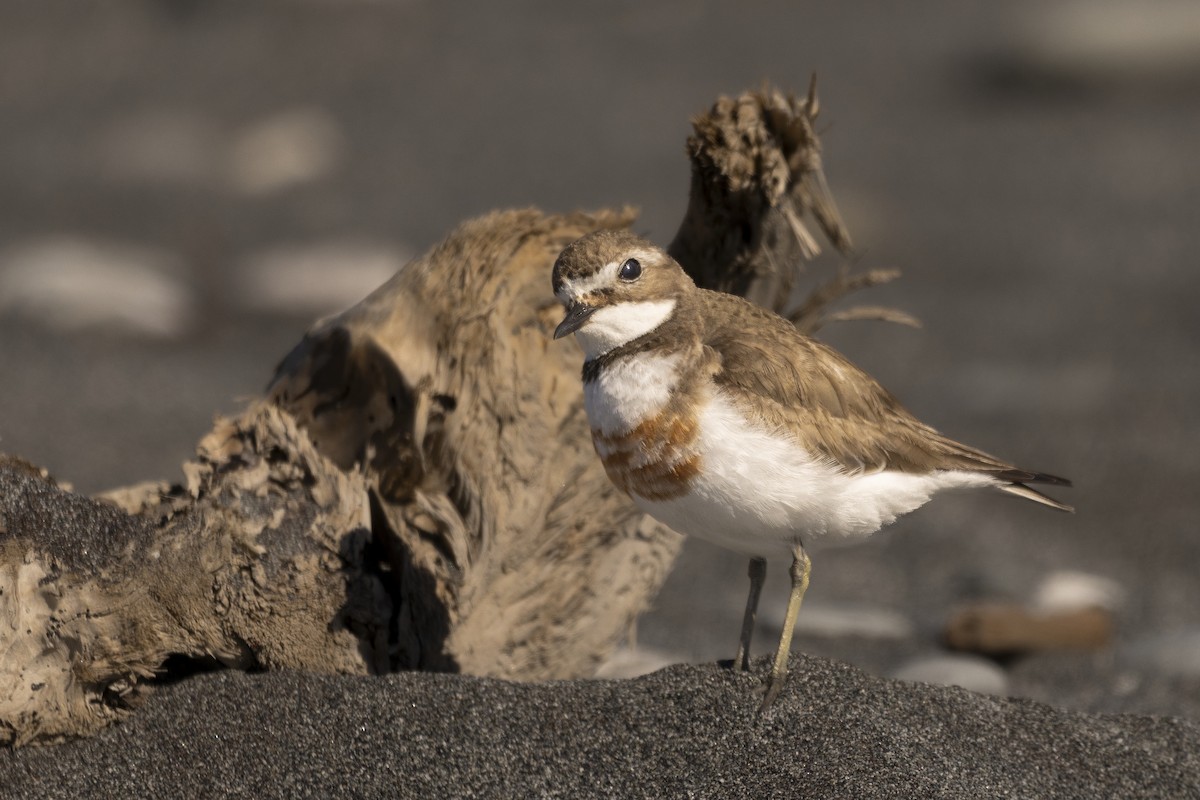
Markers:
point(995, 629)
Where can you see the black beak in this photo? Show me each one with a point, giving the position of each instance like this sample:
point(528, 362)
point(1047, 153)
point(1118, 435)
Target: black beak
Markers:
point(577, 314)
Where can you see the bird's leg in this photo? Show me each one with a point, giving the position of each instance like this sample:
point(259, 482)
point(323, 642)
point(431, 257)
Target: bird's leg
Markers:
point(801, 567)
point(758, 574)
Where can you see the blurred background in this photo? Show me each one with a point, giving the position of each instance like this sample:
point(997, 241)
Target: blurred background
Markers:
point(186, 185)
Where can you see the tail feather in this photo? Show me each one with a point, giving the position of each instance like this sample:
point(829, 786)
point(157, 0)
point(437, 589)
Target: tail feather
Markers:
point(1043, 477)
point(1021, 490)
point(1015, 475)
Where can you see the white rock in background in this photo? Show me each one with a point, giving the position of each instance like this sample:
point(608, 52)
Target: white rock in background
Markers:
point(868, 622)
point(285, 149)
point(1068, 590)
point(970, 672)
point(862, 621)
point(72, 283)
point(317, 278)
point(631, 662)
point(1114, 39)
point(182, 146)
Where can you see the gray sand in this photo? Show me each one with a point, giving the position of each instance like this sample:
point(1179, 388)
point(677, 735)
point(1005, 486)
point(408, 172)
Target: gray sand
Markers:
point(683, 731)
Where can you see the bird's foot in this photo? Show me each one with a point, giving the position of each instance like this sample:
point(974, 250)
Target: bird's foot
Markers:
point(770, 689)
point(741, 662)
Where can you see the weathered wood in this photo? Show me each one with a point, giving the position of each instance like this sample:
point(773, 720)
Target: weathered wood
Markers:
point(513, 553)
point(260, 560)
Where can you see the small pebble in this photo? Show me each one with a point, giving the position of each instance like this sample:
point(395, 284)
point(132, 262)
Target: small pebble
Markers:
point(1112, 40)
point(71, 283)
point(1068, 590)
point(970, 672)
point(629, 662)
point(285, 149)
point(861, 621)
point(1003, 629)
point(315, 278)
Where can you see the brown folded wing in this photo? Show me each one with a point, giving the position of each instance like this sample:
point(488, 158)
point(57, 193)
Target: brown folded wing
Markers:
point(797, 384)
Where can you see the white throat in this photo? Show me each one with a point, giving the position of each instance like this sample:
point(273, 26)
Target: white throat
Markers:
point(613, 326)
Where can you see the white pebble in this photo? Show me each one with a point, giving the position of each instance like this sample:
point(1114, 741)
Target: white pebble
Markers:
point(628, 662)
point(285, 149)
point(868, 623)
point(970, 672)
point(315, 278)
point(71, 284)
point(1067, 590)
point(832, 621)
point(1113, 39)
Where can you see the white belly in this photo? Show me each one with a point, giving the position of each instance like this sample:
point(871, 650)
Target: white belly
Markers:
point(761, 494)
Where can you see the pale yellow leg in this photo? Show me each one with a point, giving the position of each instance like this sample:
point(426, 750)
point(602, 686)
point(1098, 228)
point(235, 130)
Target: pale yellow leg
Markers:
point(801, 567)
point(758, 574)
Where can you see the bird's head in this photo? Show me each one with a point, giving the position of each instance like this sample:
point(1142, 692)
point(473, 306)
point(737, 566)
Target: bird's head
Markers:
point(616, 287)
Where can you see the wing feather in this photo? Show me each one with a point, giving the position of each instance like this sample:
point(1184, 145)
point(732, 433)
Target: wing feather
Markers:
point(831, 406)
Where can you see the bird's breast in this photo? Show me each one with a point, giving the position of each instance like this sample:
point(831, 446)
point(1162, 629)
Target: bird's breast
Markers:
point(643, 430)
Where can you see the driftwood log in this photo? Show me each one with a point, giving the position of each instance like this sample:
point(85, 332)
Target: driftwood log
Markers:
point(417, 490)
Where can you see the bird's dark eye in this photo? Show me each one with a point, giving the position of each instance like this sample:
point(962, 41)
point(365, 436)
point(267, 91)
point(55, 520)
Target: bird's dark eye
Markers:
point(631, 270)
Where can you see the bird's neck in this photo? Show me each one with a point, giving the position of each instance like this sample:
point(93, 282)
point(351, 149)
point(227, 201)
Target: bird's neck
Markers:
point(613, 327)
point(675, 336)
